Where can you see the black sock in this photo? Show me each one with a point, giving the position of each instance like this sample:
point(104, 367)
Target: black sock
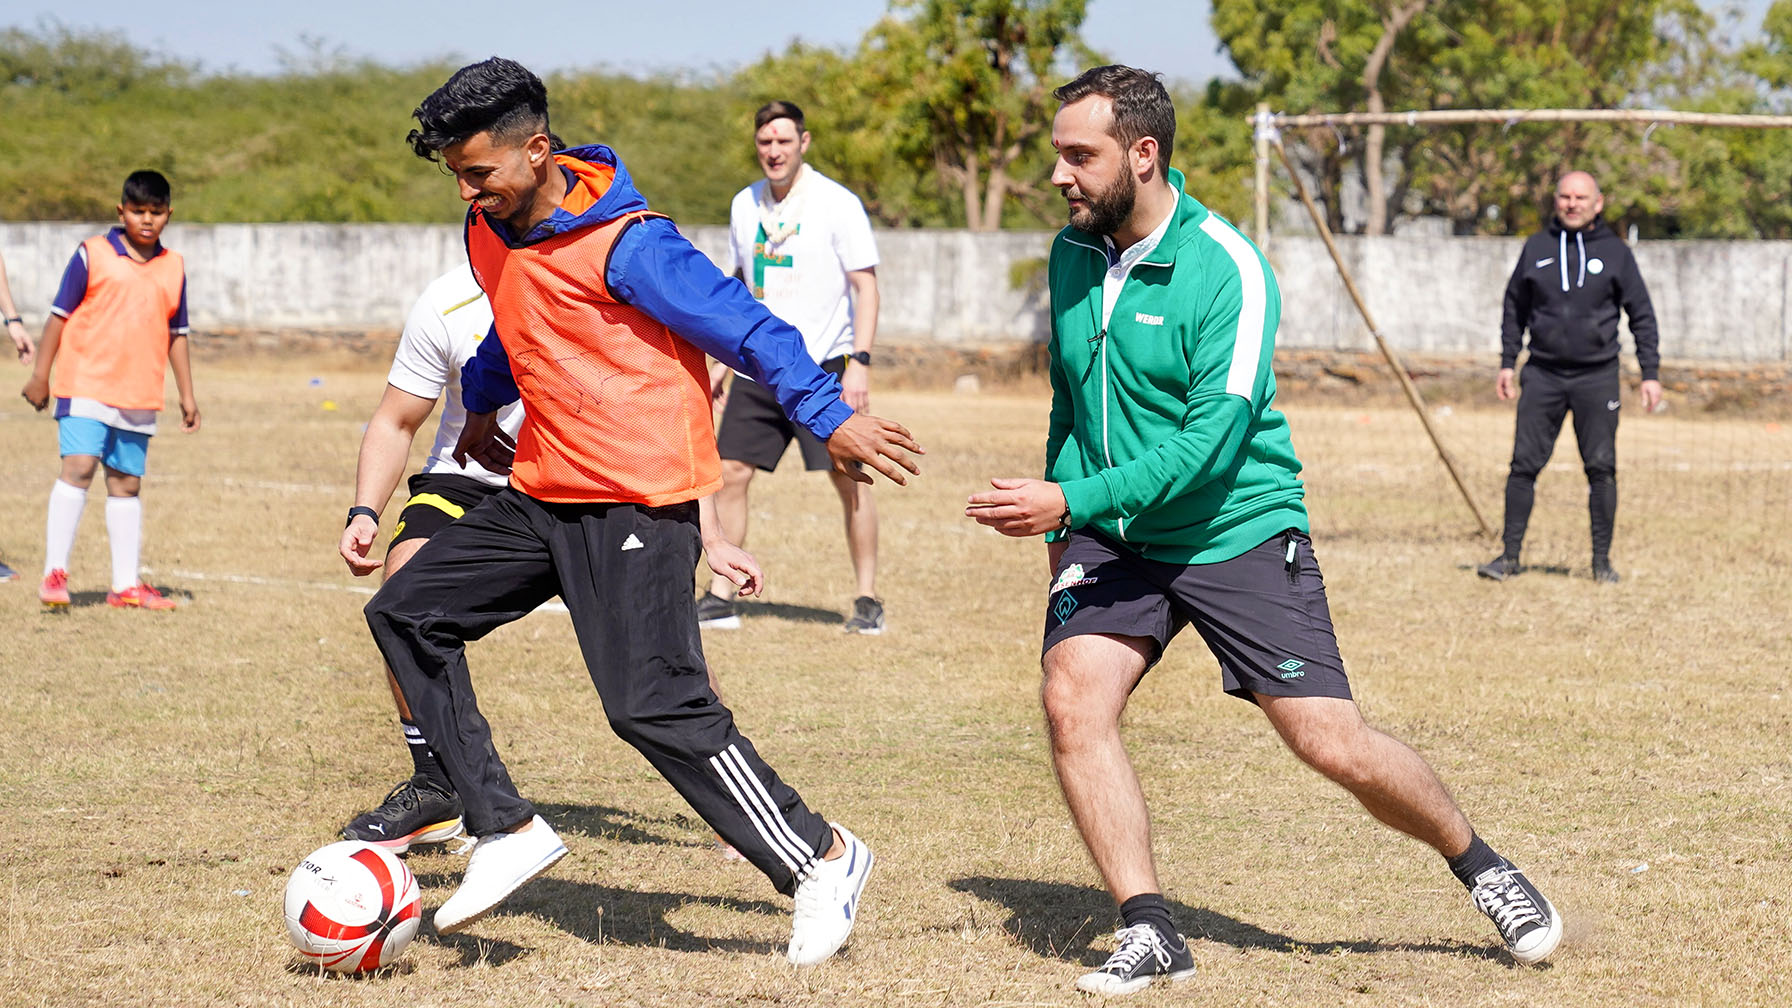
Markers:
point(1478, 858)
point(1149, 908)
point(423, 758)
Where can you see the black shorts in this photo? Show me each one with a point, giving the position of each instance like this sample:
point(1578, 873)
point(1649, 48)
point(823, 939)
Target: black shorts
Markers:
point(755, 430)
point(437, 499)
point(1263, 613)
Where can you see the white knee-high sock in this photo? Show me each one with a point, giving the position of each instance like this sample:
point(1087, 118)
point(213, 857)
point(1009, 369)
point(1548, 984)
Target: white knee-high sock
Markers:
point(66, 502)
point(124, 529)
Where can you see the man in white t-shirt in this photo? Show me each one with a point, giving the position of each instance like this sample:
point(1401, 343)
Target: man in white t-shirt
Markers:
point(443, 330)
point(802, 243)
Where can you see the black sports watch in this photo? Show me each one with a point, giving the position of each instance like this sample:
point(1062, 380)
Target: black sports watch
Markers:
point(862, 356)
point(361, 509)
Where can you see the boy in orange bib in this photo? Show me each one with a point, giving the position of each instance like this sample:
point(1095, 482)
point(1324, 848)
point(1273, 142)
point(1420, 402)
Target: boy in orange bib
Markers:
point(119, 318)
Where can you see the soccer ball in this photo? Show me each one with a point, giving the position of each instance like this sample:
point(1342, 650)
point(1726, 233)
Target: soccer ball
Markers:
point(351, 906)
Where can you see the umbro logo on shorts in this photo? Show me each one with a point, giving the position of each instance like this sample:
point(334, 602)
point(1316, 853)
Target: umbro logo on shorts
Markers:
point(1292, 669)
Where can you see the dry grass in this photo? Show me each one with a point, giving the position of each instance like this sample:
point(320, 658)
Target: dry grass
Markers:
point(160, 773)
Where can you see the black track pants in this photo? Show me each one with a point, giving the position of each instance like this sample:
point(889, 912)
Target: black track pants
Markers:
point(1546, 396)
point(624, 572)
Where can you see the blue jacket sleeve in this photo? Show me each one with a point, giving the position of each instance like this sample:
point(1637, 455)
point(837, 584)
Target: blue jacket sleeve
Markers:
point(486, 385)
point(654, 268)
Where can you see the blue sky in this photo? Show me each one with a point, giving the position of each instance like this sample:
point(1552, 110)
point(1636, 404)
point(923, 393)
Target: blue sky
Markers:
point(1170, 36)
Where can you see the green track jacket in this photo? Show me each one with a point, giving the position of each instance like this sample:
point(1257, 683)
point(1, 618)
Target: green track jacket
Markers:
point(1162, 434)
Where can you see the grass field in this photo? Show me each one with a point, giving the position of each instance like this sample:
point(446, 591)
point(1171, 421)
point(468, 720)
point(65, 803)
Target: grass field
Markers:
point(1630, 746)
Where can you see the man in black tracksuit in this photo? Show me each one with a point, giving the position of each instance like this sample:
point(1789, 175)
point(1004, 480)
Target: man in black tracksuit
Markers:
point(1570, 281)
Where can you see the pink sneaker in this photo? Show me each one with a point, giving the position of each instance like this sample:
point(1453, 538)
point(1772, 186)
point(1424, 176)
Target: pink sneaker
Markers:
point(140, 596)
point(54, 590)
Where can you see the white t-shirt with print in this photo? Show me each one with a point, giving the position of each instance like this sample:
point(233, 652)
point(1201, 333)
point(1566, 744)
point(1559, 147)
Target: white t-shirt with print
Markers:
point(443, 330)
point(804, 281)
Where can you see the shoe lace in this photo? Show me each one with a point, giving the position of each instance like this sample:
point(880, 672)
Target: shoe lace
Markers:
point(402, 797)
point(1501, 898)
point(1136, 943)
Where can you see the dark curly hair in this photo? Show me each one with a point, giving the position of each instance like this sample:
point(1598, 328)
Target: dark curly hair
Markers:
point(497, 95)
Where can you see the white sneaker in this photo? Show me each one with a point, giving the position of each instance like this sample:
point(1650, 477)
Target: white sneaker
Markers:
point(500, 864)
point(827, 902)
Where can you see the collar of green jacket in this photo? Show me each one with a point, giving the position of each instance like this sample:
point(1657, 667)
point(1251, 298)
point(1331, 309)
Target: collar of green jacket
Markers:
point(1189, 213)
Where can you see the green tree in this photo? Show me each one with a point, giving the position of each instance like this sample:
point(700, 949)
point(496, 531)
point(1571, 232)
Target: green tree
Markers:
point(980, 78)
point(1364, 55)
point(1213, 146)
point(1313, 56)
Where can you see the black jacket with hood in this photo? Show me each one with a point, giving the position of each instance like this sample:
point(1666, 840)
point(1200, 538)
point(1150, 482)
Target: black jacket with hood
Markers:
point(1567, 289)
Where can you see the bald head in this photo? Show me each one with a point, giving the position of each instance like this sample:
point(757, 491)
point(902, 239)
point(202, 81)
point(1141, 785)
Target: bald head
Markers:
point(1578, 200)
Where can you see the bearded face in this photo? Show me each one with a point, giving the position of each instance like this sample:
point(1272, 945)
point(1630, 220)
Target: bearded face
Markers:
point(1102, 210)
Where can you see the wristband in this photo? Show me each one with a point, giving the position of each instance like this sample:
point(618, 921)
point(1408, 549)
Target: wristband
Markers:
point(10, 319)
point(361, 509)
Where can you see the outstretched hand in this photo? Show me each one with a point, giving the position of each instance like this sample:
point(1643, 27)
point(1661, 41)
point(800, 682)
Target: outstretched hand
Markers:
point(884, 445)
point(1018, 507)
point(483, 441)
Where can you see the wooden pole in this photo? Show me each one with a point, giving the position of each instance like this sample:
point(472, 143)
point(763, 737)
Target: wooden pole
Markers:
point(1264, 132)
point(1387, 352)
point(1447, 117)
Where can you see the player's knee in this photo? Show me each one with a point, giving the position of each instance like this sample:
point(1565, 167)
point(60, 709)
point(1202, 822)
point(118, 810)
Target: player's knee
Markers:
point(388, 616)
point(736, 473)
point(78, 470)
point(1069, 716)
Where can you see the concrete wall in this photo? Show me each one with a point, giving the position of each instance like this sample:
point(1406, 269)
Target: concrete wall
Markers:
point(1438, 295)
point(1430, 295)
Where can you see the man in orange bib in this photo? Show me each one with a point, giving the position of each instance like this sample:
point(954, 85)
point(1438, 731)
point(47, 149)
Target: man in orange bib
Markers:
point(603, 314)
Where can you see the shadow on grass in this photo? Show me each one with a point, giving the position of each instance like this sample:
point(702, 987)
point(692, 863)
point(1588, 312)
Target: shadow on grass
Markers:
point(403, 967)
point(598, 913)
point(1558, 570)
point(84, 599)
point(1058, 920)
point(777, 610)
point(601, 915)
point(615, 824)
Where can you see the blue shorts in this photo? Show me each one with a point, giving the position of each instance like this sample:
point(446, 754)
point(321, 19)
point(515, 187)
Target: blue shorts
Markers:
point(122, 451)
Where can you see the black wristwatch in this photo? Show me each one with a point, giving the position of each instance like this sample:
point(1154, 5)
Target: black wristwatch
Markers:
point(862, 356)
point(361, 509)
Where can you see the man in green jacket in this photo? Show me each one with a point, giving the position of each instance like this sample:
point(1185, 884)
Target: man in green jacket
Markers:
point(1173, 497)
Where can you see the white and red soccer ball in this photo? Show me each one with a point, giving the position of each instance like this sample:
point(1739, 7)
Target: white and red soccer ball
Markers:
point(351, 906)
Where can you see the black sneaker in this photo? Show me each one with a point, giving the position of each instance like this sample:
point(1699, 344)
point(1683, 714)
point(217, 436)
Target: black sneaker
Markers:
point(1500, 568)
point(1602, 571)
point(867, 617)
point(716, 613)
point(1142, 956)
point(414, 812)
point(1528, 924)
